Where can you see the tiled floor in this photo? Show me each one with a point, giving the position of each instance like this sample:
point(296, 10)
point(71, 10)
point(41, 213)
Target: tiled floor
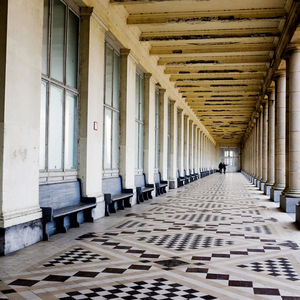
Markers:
point(217, 238)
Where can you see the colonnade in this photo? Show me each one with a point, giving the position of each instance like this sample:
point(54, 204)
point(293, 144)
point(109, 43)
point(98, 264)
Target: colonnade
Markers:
point(271, 151)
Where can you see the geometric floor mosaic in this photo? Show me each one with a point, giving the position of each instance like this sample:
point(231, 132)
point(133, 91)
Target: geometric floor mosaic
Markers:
point(278, 267)
point(216, 238)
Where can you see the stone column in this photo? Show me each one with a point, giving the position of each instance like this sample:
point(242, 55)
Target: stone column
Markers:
point(279, 185)
point(173, 145)
point(260, 142)
point(21, 25)
point(196, 149)
point(191, 145)
point(180, 148)
point(271, 143)
point(291, 195)
point(265, 147)
point(163, 133)
point(257, 149)
point(149, 127)
point(127, 122)
point(186, 144)
point(201, 150)
point(92, 49)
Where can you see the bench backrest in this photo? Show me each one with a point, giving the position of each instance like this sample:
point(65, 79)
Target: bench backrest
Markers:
point(112, 185)
point(178, 174)
point(184, 172)
point(58, 195)
point(156, 178)
point(140, 180)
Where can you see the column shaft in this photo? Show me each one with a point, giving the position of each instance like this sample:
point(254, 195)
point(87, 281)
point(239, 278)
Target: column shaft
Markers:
point(265, 147)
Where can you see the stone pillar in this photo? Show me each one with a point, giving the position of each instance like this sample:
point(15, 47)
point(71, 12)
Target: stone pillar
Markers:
point(173, 145)
point(191, 145)
point(163, 133)
point(257, 150)
point(260, 142)
point(92, 49)
point(127, 121)
point(265, 147)
point(196, 149)
point(291, 195)
point(21, 25)
point(201, 150)
point(149, 127)
point(271, 143)
point(186, 144)
point(279, 184)
point(180, 149)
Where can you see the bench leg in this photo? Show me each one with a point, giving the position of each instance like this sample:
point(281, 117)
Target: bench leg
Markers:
point(45, 234)
point(107, 210)
point(60, 225)
point(73, 220)
point(150, 195)
point(88, 215)
point(121, 204)
point(112, 208)
point(127, 202)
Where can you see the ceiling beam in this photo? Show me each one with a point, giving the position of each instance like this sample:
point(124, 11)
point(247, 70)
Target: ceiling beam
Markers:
point(213, 48)
point(213, 60)
point(215, 68)
point(205, 16)
point(185, 35)
point(212, 76)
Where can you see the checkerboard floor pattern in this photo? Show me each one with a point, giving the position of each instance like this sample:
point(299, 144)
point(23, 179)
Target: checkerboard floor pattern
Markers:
point(156, 289)
point(277, 267)
point(216, 238)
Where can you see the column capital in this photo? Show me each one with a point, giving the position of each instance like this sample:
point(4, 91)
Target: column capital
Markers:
point(186, 116)
point(172, 101)
point(162, 91)
point(179, 110)
point(147, 76)
point(279, 73)
point(124, 52)
point(86, 11)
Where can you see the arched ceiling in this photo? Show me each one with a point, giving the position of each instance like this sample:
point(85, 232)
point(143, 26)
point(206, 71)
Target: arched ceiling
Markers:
point(220, 54)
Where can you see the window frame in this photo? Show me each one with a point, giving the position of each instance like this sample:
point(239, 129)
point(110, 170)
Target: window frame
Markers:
point(140, 122)
point(111, 172)
point(61, 174)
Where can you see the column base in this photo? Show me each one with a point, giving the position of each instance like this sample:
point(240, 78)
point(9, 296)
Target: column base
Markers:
point(19, 236)
point(298, 213)
point(262, 186)
point(258, 183)
point(173, 184)
point(275, 195)
point(267, 189)
point(254, 181)
point(288, 204)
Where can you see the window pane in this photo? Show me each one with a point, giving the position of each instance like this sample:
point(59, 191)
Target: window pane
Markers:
point(43, 126)
point(108, 75)
point(115, 141)
point(141, 146)
point(72, 56)
point(107, 139)
point(71, 132)
point(137, 96)
point(45, 37)
point(136, 145)
point(57, 46)
point(55, 144)
point(116, 90)
point(141, 99)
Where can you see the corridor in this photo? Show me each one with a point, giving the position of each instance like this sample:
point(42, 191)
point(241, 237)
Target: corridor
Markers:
point(217, 238)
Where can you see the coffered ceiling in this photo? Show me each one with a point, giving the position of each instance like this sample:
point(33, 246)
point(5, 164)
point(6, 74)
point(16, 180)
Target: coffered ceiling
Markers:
point(219, 54)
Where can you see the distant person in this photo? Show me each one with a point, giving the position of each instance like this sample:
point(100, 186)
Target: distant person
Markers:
point(224, 168)
point(220, 167)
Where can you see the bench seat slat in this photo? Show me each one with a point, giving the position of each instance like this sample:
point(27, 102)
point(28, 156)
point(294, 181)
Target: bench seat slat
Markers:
point(71, 209)
point(121, 196)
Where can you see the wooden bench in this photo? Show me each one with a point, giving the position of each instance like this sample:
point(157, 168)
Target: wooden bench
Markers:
point(180, 180)
point(204, 173)
point(160, 185)
point(143, 189)
point(115, 196)
point(63, 206)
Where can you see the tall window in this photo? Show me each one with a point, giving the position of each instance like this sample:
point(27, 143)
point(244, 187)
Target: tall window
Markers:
point(59, 90)
point(139, 123)
point(157, 129)
point(228, 157)
point(111, 109)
